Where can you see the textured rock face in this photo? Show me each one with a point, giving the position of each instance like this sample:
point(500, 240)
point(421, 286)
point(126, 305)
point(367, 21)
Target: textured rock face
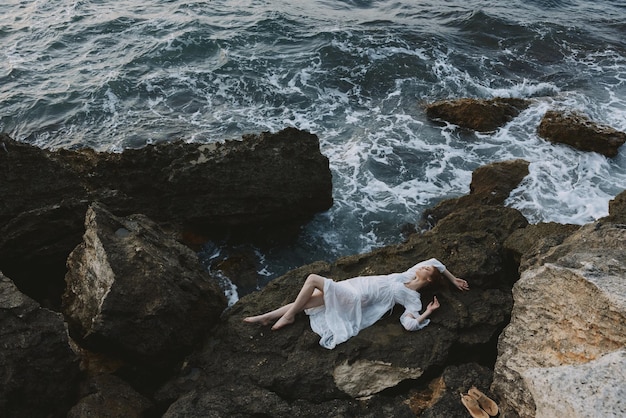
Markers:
point(568, 330)
point(491, 185)
point(364, 377)
point(580, 132)
point(134, 291)
point(617, 209)
point(110, 396)
point(479, 115)
point(261, 181)
point(38, 369)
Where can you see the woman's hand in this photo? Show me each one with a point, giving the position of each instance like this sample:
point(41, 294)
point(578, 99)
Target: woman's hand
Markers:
point(460, 284)
point(433, 305)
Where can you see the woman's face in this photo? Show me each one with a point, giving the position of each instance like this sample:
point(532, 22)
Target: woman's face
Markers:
point(425, 272)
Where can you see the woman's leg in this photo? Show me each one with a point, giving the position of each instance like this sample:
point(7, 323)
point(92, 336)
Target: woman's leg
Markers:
point(311, 295)
point(316, 299)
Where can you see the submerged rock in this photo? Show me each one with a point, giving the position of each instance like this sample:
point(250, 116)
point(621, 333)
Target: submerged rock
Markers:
point(38, 369)
point(135, 292)
point(483, 115)
point(581, 133)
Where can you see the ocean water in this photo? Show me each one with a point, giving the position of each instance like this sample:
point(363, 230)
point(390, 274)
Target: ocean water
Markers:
point(116, 75)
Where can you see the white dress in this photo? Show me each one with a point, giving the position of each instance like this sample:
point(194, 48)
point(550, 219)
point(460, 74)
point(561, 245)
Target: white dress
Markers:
point(355, 304)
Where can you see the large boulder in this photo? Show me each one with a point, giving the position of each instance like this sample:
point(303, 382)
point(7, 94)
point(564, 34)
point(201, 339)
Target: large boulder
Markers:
point(483, 115)
point(260, 181)
point(581, 132)
point(38, 369)
point(137, 293)
point(564, 351)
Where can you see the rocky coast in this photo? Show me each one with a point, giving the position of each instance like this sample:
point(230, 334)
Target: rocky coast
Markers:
point(106, 311)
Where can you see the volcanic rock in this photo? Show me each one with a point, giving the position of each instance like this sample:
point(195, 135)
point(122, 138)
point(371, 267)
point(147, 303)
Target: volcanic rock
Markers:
point(581, 133)
point(38, 369)
point(134, 291)
point(483, 115)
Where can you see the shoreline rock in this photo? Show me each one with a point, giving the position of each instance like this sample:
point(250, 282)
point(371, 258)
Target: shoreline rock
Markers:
point(244, 370)
point(38, 369)
point(568, 329)
point(134, 292)
point(580, 132)
point(290, 374)
point(482, 115)
point(557, 126)
point(261, 181)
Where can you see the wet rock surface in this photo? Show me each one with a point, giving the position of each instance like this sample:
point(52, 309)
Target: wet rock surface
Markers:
point(580, 132)
point(483, 115)
point(491, 185)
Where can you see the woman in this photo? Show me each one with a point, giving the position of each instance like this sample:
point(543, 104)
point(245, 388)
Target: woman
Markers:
point(339, 310)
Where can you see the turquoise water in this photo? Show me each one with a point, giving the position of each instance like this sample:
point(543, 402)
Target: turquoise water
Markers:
point(113, 75)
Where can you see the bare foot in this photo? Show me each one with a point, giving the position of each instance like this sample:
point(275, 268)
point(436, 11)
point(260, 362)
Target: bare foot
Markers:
point(259, 319)
point(282, 322)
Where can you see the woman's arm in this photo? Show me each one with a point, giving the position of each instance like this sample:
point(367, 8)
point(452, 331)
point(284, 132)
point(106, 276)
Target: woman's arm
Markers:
point(458, 283)
point(410, 322)
point(410, 273)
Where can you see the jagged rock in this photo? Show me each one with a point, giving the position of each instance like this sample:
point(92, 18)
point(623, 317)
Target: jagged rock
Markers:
point(491, 185)
point(525, 245)
point(134, 291)
point(480, 115)
point(35, 244)
point(580, 132)
point(564, 348)
point(110, 397)
point(242, 400)
point(617, 209)
point(38, 370)
point(262, 180)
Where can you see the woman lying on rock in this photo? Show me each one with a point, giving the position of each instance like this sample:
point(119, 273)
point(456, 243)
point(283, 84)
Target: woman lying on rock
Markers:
point(339, 310)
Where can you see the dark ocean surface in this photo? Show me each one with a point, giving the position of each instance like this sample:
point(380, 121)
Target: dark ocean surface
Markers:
point(114, 75)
